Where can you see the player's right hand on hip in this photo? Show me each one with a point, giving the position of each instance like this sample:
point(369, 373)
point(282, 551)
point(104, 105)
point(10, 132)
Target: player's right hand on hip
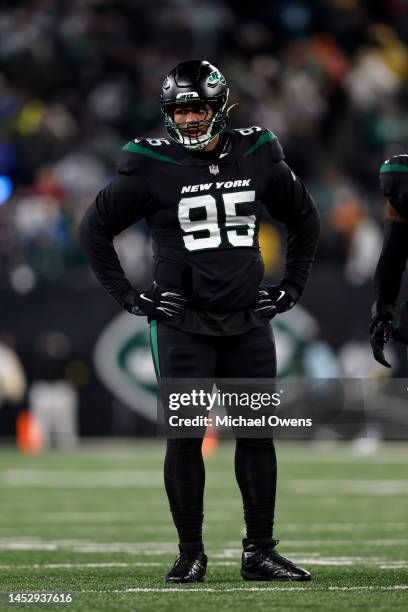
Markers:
point(380, 334)
point(275, 300)
point(155, 303)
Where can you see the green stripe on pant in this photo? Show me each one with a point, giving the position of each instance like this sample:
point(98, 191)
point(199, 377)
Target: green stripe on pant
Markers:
point(155, 346)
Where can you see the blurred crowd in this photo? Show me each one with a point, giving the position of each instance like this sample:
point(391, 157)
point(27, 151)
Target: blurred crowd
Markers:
point(78, 79)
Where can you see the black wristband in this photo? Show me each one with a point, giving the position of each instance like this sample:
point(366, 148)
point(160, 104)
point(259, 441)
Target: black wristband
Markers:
point(382, 310)
point(293, 289)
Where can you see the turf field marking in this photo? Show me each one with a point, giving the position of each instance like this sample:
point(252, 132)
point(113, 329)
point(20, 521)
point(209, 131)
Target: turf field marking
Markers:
point(311, 527)
point(316, 559)
point(260, 589)
point(326, 542)
point(80, 479)
point(80, 565)
point(152, 548)
point(310, 586)
point(344, 561)
point(324, 561)
point(312, 455)
point(104, 565)
point(82, 546)
point(83, 517)
point(347, 486)
point(366, 542)
point(33, 478)
point(131, 517)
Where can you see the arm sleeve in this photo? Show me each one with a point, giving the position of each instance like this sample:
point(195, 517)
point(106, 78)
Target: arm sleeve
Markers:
point(120, 204)
point(391, 264)
point(289, 202)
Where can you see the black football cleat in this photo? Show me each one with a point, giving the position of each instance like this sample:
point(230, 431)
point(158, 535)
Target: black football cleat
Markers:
point(189, 566)
point(260, 561)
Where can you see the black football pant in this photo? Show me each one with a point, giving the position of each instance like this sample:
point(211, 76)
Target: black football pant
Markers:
point(179, 354)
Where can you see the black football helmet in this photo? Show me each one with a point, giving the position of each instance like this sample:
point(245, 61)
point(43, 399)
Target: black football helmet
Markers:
point(191, 83)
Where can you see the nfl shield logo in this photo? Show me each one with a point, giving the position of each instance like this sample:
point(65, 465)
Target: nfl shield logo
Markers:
point(214, 169)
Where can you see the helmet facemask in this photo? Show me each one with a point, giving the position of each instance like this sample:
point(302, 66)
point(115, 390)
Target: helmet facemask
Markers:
point(214, 125)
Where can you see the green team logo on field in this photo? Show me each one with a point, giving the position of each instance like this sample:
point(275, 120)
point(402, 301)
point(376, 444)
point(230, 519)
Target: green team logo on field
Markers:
point(215, 78)
point(124, 363)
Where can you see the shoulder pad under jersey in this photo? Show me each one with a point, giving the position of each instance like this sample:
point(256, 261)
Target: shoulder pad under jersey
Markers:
point(257, 140)
point(141, 150)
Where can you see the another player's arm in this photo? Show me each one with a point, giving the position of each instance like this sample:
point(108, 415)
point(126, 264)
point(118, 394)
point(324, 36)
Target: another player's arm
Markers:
point(391, 264)
point(392, 261)
point(387, 280)
point(289, 202)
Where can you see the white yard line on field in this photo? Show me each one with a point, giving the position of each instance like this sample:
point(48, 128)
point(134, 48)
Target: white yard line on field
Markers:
point(132, 517)
point(155, 548)
point(81, 517)
point(347, 486)
point(60, 479)
point(227, 556)
point(324, 561)
point(82, 478)
point(102, 565)
point(221, 591)
point(289, 543)
point(312, 454)
point(80, 565)
point(352, 527)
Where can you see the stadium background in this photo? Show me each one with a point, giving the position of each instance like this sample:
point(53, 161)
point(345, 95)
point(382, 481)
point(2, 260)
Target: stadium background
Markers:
point(80, 79)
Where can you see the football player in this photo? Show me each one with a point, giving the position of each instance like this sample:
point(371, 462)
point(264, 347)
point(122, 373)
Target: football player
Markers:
point(202, 191)
point(394, 255)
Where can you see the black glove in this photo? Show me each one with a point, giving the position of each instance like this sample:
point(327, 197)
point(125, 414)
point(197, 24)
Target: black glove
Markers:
point(381, 331)
point(276, 299)
point(155, 303)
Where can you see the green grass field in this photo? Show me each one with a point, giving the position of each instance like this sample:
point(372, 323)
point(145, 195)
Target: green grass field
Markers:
point(95, 523)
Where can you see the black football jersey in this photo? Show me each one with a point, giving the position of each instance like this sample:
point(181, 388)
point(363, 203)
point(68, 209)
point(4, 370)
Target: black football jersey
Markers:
point(203, 211)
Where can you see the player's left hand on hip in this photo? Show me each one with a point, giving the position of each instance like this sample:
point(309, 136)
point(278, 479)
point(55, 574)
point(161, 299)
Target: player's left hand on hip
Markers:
point(380, 334)
point(275, 300)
